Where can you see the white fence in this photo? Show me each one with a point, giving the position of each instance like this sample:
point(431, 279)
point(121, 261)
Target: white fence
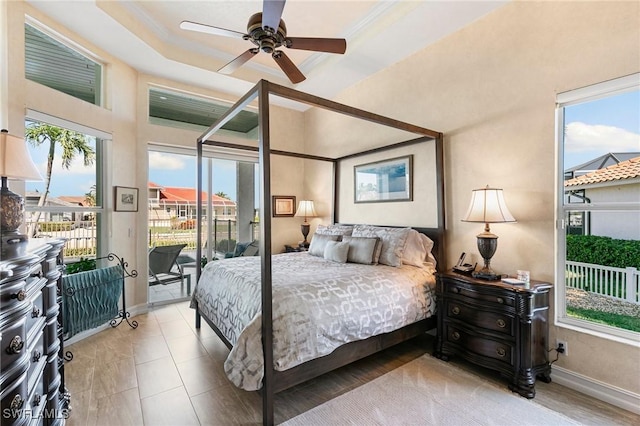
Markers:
point(619, 283)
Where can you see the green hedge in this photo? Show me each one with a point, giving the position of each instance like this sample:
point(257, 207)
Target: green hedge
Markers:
point(604, 251)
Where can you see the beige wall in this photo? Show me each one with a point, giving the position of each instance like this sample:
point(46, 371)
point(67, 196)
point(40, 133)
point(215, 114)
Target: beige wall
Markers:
point(491, 88)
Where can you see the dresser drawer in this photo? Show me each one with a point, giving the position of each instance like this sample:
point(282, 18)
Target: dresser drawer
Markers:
point(36, 311)
point(480, 345)
point(14, 344)
point(37, 399)
point(479, 293)
point(12, 294)
point(476, 316)
point(37, 358)
point(14, 402)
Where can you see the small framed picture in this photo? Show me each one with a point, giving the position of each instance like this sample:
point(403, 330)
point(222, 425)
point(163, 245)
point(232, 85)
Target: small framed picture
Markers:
point(284, 205)
point(126, 199)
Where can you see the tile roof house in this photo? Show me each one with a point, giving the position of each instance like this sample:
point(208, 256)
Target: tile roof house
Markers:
point(166, 202)
point(615, 184)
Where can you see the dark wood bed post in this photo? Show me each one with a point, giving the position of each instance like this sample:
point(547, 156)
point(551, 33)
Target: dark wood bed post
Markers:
point(264, 158)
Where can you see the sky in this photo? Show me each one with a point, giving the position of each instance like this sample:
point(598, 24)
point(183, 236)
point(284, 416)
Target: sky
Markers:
point(598, 127)
point(592, 129)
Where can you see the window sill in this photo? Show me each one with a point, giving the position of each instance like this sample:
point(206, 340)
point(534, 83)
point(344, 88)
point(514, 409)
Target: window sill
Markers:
point(602, 331)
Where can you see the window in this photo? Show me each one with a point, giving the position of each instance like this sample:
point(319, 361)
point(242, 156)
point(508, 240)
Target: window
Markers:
point(598, 131)
point(54, 64)
point(70, 201)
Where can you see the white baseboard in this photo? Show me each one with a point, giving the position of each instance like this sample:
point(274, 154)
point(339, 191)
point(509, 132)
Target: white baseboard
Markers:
point(133, 311)
point(603, 391)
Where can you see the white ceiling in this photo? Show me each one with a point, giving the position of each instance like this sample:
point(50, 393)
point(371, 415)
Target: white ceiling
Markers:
point(146, 35)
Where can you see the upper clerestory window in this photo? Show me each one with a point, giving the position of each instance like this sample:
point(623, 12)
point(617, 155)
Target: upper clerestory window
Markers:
point(52, 63)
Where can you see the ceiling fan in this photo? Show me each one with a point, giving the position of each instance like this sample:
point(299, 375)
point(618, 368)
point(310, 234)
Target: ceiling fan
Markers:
point(268, 32)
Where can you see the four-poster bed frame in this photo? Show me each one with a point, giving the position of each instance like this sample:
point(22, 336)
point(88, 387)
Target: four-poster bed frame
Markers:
point(275, 381)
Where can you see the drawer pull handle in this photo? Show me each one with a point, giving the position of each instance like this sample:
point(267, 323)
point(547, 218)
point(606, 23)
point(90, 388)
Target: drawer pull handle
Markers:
point(35, 313)
point(456, 289)
point(15, 345)
point(37, 274)
point(455, 335)
point(500, 300)
point(21, 295)
point(17, 402)
point(36, 356)
point(501, 352)
point(36, 400)
point(501, 323)
point(455, 310)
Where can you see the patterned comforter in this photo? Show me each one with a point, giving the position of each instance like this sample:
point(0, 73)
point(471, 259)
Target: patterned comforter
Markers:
point(318, 305)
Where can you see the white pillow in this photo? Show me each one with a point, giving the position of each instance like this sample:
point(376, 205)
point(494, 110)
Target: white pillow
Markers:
point(365, 250)
point(334, 229)
point(393, 241)
point(336, 251)
point(417, 250)
point(318, 242)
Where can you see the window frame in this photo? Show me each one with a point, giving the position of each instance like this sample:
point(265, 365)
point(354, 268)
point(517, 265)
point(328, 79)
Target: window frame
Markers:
point(573, 97)
point(103, 178)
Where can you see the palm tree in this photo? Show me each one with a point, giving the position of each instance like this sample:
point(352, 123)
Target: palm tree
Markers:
point(72, 144)
point(222, 194)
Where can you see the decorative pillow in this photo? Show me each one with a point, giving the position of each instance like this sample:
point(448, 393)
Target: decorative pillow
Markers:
point(252, 249)
point(336, 251)
point(417, 250)
point(334, 229)
point(393, 241)
point(318, 242)
point(363, 249)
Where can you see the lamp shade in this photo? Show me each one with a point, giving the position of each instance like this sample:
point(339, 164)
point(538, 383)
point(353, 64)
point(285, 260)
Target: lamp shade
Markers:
point(488, 206)
point(306, 209)
point(15, 161)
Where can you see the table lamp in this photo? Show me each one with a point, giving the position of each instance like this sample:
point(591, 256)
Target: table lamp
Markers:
point(15, 164)
point(305, 209)
point(487, 206)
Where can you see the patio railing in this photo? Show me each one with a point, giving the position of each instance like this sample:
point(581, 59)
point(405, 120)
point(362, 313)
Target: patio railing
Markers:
point(81, 236)
point(618, 283)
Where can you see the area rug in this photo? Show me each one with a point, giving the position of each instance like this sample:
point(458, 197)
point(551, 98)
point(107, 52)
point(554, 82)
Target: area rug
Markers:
point(428, 391)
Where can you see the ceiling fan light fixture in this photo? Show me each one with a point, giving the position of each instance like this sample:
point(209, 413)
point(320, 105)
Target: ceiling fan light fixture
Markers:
point(267, 39)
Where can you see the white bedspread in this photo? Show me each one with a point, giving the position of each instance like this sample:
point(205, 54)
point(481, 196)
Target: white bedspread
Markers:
point(318, 305)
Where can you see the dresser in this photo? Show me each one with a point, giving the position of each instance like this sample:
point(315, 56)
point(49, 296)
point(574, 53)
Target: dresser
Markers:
point(497, 325)
point(31, 371)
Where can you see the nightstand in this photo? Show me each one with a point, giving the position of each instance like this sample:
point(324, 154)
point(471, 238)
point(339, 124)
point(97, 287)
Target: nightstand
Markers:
point(295, 248)
point(499, 326)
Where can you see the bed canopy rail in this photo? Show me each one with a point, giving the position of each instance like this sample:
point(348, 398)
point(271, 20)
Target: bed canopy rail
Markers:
point(275, 381)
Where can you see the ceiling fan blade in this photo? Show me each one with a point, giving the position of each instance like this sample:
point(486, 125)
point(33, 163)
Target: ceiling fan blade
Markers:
point(288, 67)
point(272, 13)
point(330, 45)
point(238, 62)
point(208, 29)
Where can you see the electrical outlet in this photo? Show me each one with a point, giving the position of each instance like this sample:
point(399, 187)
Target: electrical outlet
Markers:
point(564, 346)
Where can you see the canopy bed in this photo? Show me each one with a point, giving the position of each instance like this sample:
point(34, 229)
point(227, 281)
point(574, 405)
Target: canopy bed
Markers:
point(397, 279)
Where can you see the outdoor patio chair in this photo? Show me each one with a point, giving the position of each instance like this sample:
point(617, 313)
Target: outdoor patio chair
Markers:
point(164, 267)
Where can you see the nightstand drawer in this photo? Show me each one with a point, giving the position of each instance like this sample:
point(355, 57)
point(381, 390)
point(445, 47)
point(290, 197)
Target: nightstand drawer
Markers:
point(480, 345)
point(479, 293)
point(477, 317)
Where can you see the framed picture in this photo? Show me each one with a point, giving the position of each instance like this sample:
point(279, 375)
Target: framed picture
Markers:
point(283, 205)
point(126, 199)
point(387, 180)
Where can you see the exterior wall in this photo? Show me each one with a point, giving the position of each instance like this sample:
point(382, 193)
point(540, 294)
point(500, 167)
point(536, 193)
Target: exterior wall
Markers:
point(622, 225)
